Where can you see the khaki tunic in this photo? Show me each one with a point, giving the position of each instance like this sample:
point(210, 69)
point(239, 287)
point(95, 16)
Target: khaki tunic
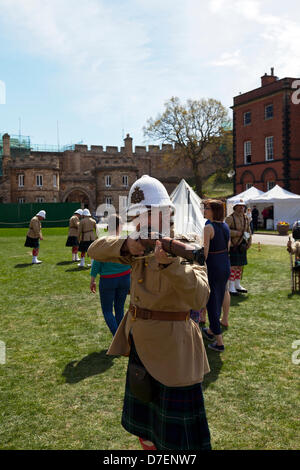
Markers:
point(240, 223)
point(73, 226)
point(172, 351)
point(34, 228)
point(86, 231)
point(295, 249)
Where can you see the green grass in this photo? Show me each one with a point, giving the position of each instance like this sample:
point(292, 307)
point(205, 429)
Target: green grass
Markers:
point(215, 189)
point(58, 389)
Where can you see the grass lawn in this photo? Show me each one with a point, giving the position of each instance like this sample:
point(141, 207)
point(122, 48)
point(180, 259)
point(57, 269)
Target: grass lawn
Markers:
point(58, 389)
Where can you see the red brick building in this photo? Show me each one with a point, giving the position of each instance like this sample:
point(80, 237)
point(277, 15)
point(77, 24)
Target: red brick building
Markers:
point(266, 136)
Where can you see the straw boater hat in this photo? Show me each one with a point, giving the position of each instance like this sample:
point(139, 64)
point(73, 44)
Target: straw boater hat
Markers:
point(41, 214)
point(145, 192)
point(86, 213)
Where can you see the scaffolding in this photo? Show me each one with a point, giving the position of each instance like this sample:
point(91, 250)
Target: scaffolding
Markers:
point(20, 146)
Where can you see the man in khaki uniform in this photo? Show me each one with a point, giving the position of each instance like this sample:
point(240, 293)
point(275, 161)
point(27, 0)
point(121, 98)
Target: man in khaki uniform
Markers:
point(73, 233)
point(240, 238)
point(86, 234)
point(157, 332)
point(34, 235)
point(294, 249)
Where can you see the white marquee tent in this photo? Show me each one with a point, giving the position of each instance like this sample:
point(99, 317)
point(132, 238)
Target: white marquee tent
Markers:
point(286, 204)
point(247, 196)
point(188, 214)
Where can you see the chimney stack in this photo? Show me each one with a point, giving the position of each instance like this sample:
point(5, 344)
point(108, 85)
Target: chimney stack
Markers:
point(128, 145)
point(6, 145)
point(267, 79)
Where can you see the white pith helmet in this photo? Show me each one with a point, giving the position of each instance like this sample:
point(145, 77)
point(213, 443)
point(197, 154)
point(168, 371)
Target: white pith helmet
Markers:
point(239, 202)
point(86, 212)
point(42, 214)
point(79, 211)
point(147, 191)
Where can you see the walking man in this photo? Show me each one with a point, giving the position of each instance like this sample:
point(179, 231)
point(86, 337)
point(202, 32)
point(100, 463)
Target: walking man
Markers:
point(34, 235)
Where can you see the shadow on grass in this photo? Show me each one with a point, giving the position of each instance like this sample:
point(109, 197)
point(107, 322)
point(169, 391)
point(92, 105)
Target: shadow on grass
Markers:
point(238, 299)
point(78, 269)
point(215, 364)
point(65, 263)
point(25, 265)
point(291, 294)
point(93, 364)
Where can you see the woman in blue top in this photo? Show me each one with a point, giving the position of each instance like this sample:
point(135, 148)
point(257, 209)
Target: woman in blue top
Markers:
point(114, 282)
point(216, 247)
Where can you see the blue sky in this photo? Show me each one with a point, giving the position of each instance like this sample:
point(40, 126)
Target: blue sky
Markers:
point(101, 68)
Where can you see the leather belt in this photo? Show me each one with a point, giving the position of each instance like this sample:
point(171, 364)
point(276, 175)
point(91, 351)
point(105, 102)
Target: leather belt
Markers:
point(145, 314)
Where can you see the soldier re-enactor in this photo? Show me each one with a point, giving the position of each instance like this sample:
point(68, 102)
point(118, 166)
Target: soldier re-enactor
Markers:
point(239, 224)
point(86, 234)
point(157, 331)
point(73, 233)
point(34, 235)
point(294, 249)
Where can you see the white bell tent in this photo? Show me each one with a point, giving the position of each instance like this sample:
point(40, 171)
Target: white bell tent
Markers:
point(286, 204)
point(247, 196)
point(188, 214)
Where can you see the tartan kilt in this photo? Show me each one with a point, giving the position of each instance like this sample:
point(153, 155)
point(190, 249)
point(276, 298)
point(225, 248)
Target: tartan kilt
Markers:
point(83, 246)
point(175, 419)
point(237, 258)
point(72, 241)
point(32, 242)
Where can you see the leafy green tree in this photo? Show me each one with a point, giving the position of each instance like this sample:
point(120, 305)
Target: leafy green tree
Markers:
point(195, 129)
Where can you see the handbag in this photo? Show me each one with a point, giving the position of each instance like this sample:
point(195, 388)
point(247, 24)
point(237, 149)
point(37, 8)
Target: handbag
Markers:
point(140, 382)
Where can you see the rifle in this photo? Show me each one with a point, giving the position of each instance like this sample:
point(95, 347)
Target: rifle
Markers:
point(192, 253)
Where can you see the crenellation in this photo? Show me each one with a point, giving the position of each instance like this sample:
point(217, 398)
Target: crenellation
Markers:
point(154, 148)
point(97, 148)
point(112, 149)
point(89, 175)
point(81, 148)
point(168, 147)
point(140, 149)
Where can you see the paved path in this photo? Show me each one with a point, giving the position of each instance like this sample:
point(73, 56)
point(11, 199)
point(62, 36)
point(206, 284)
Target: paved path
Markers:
point(279, 240)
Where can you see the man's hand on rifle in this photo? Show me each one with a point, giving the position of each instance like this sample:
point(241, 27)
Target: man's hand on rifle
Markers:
point(160, 255)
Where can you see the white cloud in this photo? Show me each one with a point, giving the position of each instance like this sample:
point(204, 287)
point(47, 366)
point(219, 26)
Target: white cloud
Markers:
point(122, 59)
point(227, 59)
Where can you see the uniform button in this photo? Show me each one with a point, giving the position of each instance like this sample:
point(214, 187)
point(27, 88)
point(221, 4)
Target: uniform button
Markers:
point(146, 264)
point(136, 299)
point(140, 281)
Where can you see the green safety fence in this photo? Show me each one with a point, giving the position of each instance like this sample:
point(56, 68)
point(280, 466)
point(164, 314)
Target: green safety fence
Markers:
point(19, 215)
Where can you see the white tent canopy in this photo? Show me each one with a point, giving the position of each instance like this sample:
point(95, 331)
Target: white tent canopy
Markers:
point(286, 204)
point(247, 196)
point(188, 215)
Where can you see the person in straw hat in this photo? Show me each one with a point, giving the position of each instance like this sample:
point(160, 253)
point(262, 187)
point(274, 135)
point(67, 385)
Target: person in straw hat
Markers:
point(73, 233)
point(163, 402)
point(86, 234)
point(240, 237)
point(34, 235)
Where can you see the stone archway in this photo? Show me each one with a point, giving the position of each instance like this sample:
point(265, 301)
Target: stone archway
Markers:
point(78, 195)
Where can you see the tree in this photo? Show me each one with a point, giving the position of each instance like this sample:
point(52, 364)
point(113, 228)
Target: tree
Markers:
point(196, 129)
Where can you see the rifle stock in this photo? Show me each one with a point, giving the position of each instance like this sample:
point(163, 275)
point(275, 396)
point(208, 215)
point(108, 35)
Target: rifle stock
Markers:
point(174, 247)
